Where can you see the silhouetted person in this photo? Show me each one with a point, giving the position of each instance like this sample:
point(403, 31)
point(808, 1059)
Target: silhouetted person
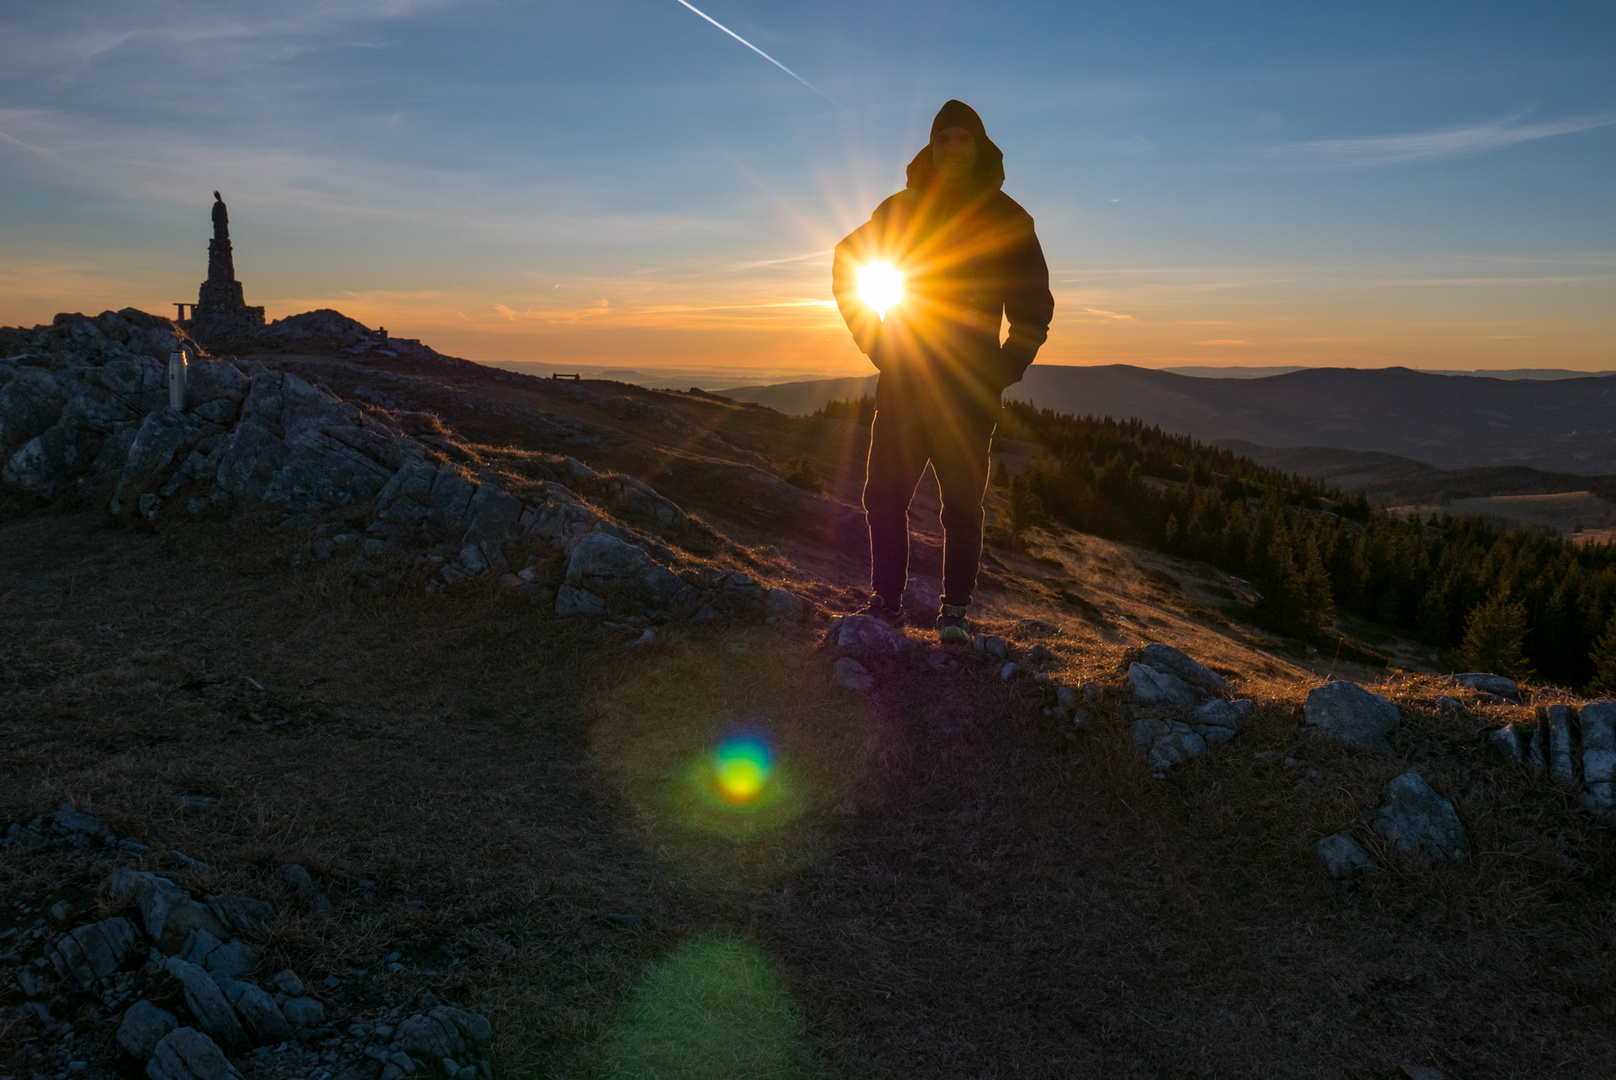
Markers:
point(221, 219)
point(969, 260)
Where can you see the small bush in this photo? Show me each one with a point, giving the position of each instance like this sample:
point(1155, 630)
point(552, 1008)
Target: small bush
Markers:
point(802, 472)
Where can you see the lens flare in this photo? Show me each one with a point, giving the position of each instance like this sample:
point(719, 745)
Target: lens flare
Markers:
point(880, 286)
point(741, 767)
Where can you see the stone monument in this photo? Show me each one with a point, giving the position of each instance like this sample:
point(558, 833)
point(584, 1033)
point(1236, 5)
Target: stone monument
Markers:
point(221, 312)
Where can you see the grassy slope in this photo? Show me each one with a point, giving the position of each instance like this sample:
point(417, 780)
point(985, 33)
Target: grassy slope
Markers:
point(968, 888)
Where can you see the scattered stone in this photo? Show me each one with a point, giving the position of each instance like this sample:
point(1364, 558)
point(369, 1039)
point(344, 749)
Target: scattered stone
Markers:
point(1347, 713)
point(851, 674)
point(1218, 720)
point(303, 1012)
point(188, 1054)
point(1343, 857)
point(298, 878)
point(1448, 704)
point(1009, 671)
point(941, 660)
point(1507, 741)
point(61, 911)
point(1177, 662)
point(1040, 656)
point(143, 1027)
point(1416, 818)
point(73, 821)
point(1162, 689)
point(1487, 684)
point(993, 645)
point(235, 959)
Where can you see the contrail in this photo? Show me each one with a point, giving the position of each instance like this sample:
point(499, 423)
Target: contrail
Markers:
point(760, 52)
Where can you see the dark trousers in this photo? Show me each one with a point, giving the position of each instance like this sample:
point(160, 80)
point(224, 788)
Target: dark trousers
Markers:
point(907, 433)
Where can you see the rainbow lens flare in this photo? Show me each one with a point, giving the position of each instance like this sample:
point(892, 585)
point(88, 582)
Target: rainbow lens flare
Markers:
point(741, 767)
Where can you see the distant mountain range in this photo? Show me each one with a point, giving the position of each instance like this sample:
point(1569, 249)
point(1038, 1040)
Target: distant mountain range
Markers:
point(1449, 421)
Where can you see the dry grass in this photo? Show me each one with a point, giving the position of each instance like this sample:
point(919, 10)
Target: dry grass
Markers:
point(965, 888)
point(955, 886)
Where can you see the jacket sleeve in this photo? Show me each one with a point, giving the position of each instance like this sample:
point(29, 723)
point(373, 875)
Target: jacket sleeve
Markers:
point(1028, 305)
point(864, 324)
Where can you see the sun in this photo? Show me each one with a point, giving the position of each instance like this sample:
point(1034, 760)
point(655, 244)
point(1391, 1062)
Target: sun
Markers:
point(880, 286)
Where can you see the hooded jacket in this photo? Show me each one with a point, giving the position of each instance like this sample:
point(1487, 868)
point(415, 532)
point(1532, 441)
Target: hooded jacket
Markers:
point(970, 259)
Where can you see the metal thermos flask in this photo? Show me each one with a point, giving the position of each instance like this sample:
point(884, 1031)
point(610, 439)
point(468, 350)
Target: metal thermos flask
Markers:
point(176, 380)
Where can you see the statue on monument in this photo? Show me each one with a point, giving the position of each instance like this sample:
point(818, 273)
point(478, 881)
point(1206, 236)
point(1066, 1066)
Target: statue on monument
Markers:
point(221, 312)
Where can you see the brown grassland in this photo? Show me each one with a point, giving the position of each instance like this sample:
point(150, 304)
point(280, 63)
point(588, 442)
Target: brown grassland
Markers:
point(955, 885)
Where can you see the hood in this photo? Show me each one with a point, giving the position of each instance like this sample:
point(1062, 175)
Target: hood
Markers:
point(989, 172)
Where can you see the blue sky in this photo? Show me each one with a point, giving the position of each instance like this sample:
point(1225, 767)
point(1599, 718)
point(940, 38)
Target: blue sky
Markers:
point(619, 182)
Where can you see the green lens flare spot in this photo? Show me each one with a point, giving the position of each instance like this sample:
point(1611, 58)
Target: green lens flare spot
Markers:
point(740, 789)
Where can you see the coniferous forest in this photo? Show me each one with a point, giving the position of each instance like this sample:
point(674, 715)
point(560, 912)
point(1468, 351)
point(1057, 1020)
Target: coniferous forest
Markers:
point(1513, 601)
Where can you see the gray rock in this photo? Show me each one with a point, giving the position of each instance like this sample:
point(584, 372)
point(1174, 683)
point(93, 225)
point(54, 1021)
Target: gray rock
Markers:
point(1487, 684)
point(851, 674)
point(993, 645)
point(263, 1020)
point(475, 1031)
point(90, 953)
point(1165, 743)
point(785, 605)
point(1342, 857)
point(208, 1004)
point(287, 983)
point(1162, 689)
point(198, 947)
point(299, 879)
point(1507, 741)
point(242, 914)
point(188, 1054)
point(428, 1036)
point(1009, 671)
point(1347, 713)
point(29, 403)
point(1218, 720)
point(921, 599)
point(143, 1027)
point(868, 638)
point(1066, 698)
point(235, 959)
point(1415, 818)
point(604, 557)
point(571, 601)
point(47, 464)
point(303, 1012)
point(1557, 724)
point(1598, 723)
point(76, 821)
point(159, 443)
point(1177, 662)
point(450, 496)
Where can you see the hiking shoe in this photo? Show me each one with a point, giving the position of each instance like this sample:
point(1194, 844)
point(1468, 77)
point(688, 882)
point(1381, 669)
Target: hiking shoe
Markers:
point(952, 626)
point(878, 609)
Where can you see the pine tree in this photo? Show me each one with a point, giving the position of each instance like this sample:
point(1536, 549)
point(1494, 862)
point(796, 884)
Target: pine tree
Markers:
point(1603, 659)
point(1315, 607)
point(1495, 638)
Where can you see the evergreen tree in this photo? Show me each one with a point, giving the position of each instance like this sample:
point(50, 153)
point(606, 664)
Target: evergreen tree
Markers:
point(1495, 638)
point(1603, 659)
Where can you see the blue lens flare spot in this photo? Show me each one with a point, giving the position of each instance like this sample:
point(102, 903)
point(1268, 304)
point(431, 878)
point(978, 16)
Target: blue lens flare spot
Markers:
point(741, 768)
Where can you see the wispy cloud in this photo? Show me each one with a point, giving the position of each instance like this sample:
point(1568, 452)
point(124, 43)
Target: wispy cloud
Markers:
point(1451, 142)
point(1107, 314)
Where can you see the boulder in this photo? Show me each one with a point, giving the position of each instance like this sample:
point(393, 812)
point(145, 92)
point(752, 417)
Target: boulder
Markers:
point(168, 912)
point(1177, 662)
point(303, 1012)
point(143, 1027)
point(1598, 721)
point(852, 675)
point(90, 953)
point(208, 1004)
point(159, 442)
point(264, 1021)
point(571, 601)
point(1347, 713)
point(1416, 818)
point(188, 1054)
point(1162, 689)
point(1556, 727)
point(242, 914)
point(47, 464)
point(29, 403)
point(1343, 857)
point(1218, 720)
point(1165, 743)
point(868, 638)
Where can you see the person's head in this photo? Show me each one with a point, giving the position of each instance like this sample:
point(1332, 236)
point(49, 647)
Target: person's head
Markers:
point(953, 154)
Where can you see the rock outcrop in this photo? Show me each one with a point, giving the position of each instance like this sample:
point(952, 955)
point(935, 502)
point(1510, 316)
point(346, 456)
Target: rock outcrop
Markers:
point(1347, 713)
point(1576, 747)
